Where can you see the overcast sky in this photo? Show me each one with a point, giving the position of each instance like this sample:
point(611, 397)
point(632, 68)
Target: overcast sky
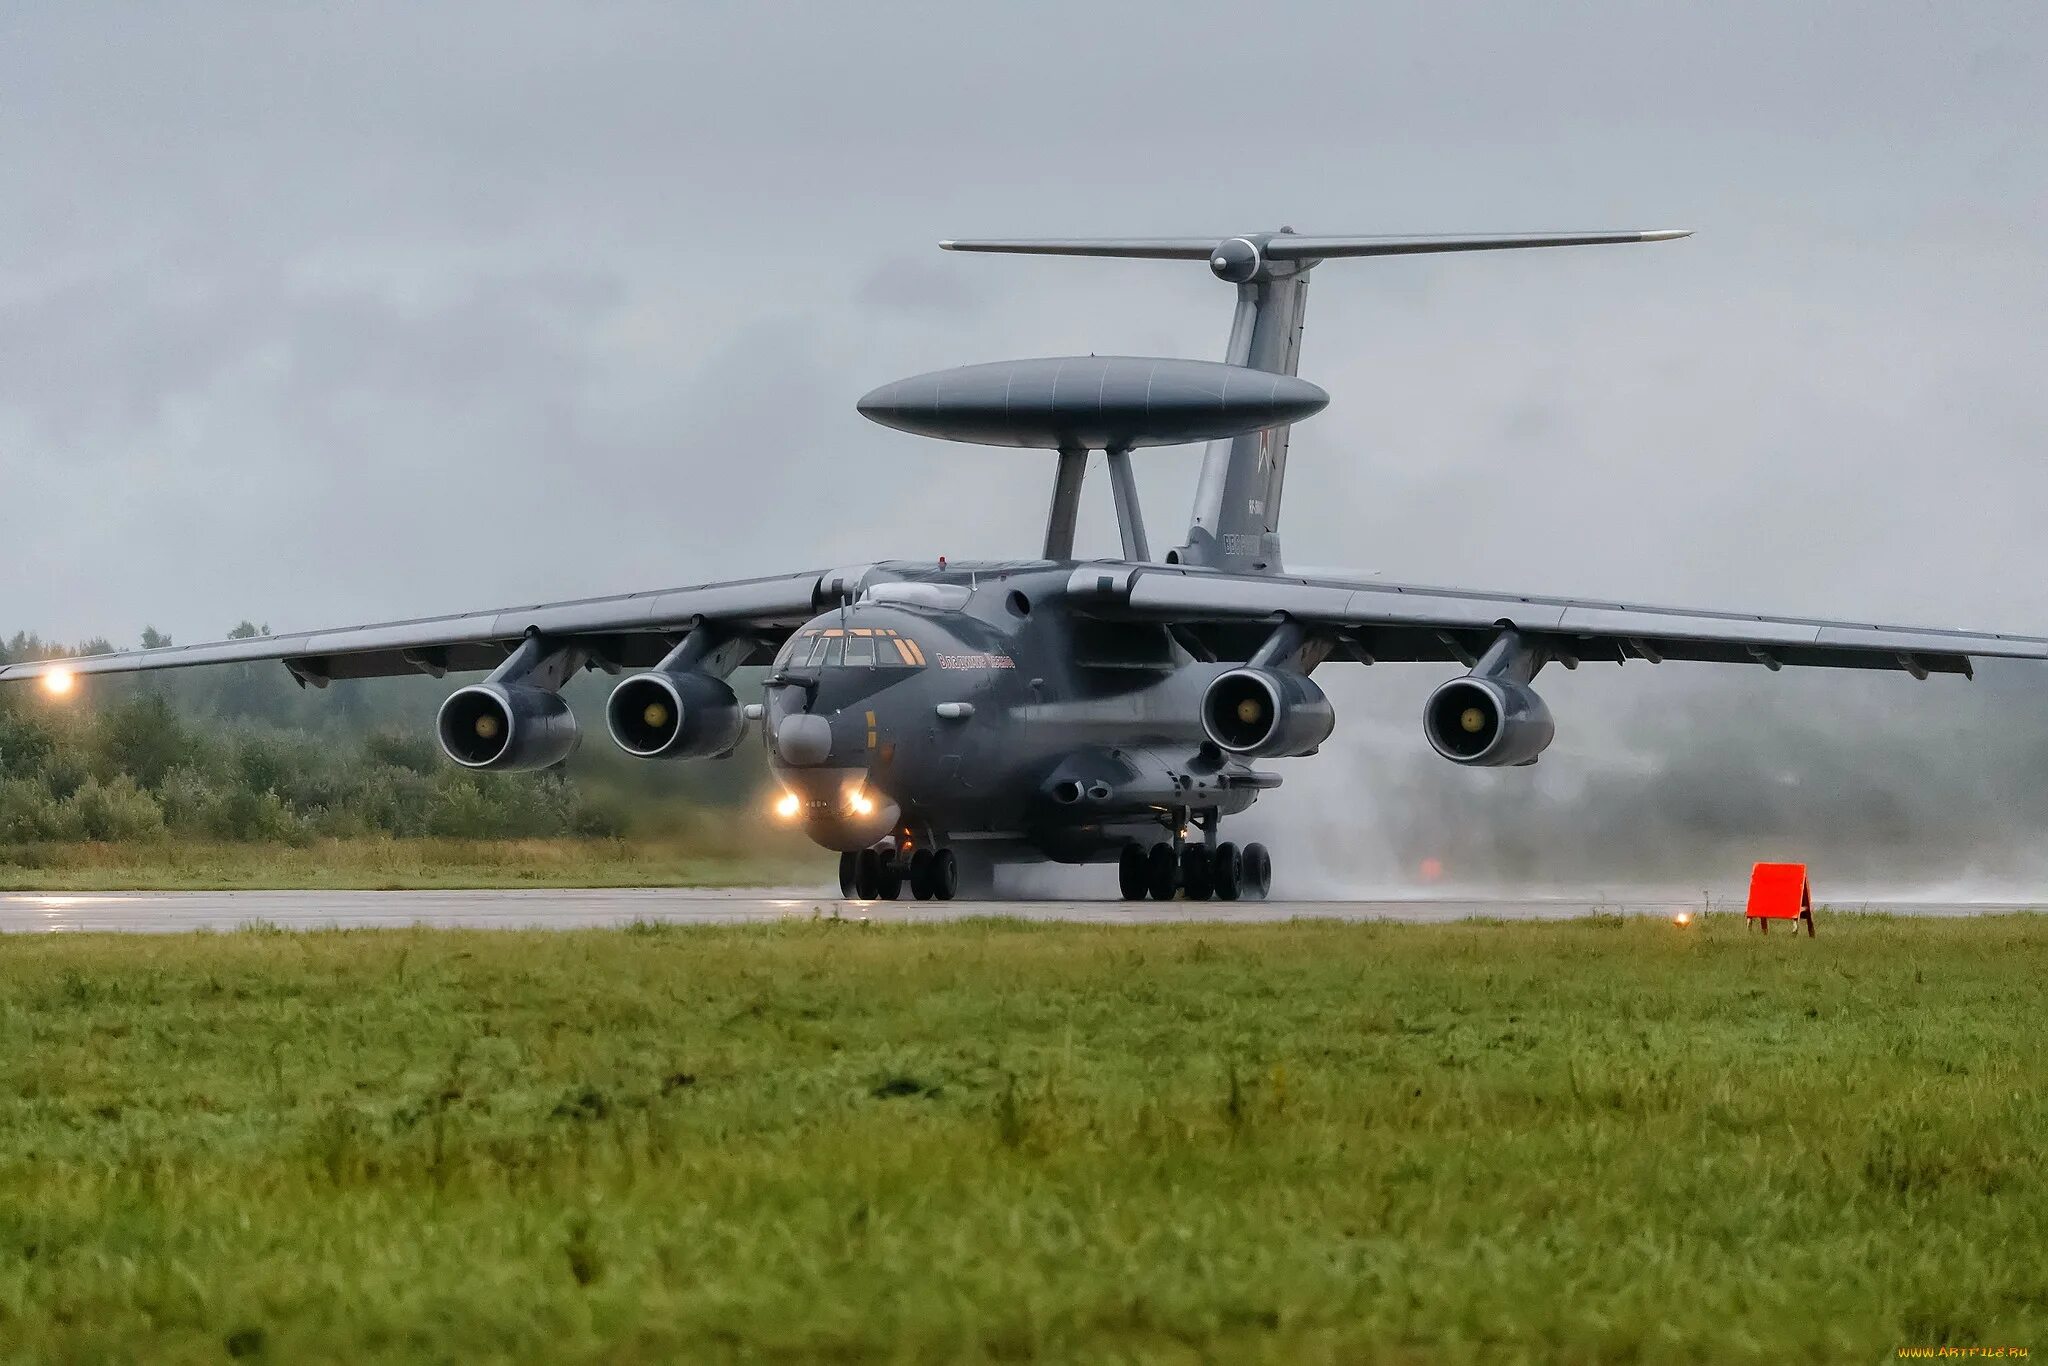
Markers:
point(326, 314)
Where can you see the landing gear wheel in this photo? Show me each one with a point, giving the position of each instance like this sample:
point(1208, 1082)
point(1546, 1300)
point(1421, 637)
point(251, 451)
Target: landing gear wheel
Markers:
point(1258, 872)
point(846, 866)
point(1162, 872)
point(889, 880)
point(1133, 876)
point(945, 875)
point(921, 874)
point(1195, 876)
point(867, 875)
point(1226, 872)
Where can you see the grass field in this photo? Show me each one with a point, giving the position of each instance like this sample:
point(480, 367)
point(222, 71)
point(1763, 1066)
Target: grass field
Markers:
point(1312, 1142)
point(378, 863)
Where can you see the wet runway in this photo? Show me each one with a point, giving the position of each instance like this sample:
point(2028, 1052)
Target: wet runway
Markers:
point(162, 912)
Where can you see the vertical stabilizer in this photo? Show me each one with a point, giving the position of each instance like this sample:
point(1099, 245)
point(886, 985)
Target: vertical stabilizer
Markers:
point(1236, 519)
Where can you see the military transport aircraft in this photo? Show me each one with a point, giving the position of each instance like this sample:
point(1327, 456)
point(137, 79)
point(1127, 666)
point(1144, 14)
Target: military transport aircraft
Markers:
point(929, 720)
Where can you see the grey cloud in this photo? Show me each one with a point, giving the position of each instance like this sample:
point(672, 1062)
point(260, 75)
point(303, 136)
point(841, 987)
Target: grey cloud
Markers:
point(921, 289)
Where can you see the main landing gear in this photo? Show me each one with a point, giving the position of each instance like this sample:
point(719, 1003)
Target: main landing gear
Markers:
point(1226, 872)
point(882, 874)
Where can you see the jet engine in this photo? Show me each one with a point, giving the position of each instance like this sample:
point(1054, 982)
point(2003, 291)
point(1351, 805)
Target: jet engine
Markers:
point(674, 715)
point(1266, 713)
point(1487, 722)
point(508, 728)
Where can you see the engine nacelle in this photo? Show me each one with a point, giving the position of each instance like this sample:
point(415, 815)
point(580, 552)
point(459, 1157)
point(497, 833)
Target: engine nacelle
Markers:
point(674, 716)
point(1266, 713)
point(507, 728)
point(1487, 722)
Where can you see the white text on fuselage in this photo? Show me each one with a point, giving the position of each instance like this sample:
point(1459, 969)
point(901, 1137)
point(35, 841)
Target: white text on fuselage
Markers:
point(976, 662)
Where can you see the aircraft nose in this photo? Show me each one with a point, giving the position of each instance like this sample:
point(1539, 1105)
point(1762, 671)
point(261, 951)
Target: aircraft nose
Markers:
point(803, 740)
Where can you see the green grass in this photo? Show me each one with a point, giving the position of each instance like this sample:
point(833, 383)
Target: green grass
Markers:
point(1311, 1142)
point(382, 863)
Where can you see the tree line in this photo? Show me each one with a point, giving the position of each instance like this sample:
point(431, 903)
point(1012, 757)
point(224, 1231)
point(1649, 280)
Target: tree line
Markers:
point(242, 753)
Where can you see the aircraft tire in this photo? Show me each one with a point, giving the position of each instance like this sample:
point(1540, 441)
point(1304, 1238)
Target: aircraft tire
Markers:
point(1258, 872)
point(889, 880)
point(921, 874)
point(1132, 876)
point(846, 867)
point(945, 875)
point(1162, 872)
point(1226, 872)
point(867, 875)
point(1196, 876)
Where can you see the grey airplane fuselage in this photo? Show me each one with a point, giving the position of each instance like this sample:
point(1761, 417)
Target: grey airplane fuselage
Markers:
point(1004, 718)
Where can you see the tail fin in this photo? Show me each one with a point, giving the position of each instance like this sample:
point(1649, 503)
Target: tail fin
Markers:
point(1236, 517)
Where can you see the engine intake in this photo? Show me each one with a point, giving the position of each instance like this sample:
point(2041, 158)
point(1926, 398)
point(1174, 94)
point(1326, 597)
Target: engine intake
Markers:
point(674, 716)
point(506, 728)
point(1266, 713)
point(1487, 722)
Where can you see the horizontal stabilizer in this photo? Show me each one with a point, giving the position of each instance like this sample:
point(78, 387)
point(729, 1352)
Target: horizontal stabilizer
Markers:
point(1147, 248)
point(1287, 246)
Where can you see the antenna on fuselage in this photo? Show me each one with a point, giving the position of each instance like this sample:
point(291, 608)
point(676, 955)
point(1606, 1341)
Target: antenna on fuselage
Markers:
point(1077, 404)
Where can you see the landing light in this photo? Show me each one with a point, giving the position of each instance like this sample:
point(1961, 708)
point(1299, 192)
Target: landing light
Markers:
point(860, 803)
point(1682, 919)
point(57, 682)
point(786, 806)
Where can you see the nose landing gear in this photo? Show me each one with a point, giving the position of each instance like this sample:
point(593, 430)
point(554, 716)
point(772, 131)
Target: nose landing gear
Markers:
point(870, 875)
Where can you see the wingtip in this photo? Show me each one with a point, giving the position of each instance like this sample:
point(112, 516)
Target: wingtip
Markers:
point(1667, 234)
point(948, 244)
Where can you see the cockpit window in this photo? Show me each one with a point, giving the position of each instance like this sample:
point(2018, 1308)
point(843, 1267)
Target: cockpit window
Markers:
point(853, 647)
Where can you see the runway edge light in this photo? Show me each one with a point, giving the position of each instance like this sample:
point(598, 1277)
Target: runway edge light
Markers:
point(1780, 891)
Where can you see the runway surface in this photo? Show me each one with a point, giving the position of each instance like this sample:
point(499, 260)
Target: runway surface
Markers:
point(163, 912)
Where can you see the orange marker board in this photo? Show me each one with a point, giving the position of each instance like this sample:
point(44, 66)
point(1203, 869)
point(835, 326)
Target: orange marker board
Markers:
point(1778, 891)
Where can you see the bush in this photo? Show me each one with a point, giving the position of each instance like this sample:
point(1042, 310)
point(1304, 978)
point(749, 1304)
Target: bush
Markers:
point(461, 810)
point(115, 810)
point(414, 753)
point(28, 813)
point(25, 743)
point(248, 815)
point(144, 740)
point(64, 772)
point(395, 801)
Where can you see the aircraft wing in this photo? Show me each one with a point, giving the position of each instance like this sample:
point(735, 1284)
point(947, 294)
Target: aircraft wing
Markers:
point(630, 630)
point(1229, 615)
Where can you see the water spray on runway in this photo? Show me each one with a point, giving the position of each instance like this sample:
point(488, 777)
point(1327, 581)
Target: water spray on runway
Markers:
point(1678, 780)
